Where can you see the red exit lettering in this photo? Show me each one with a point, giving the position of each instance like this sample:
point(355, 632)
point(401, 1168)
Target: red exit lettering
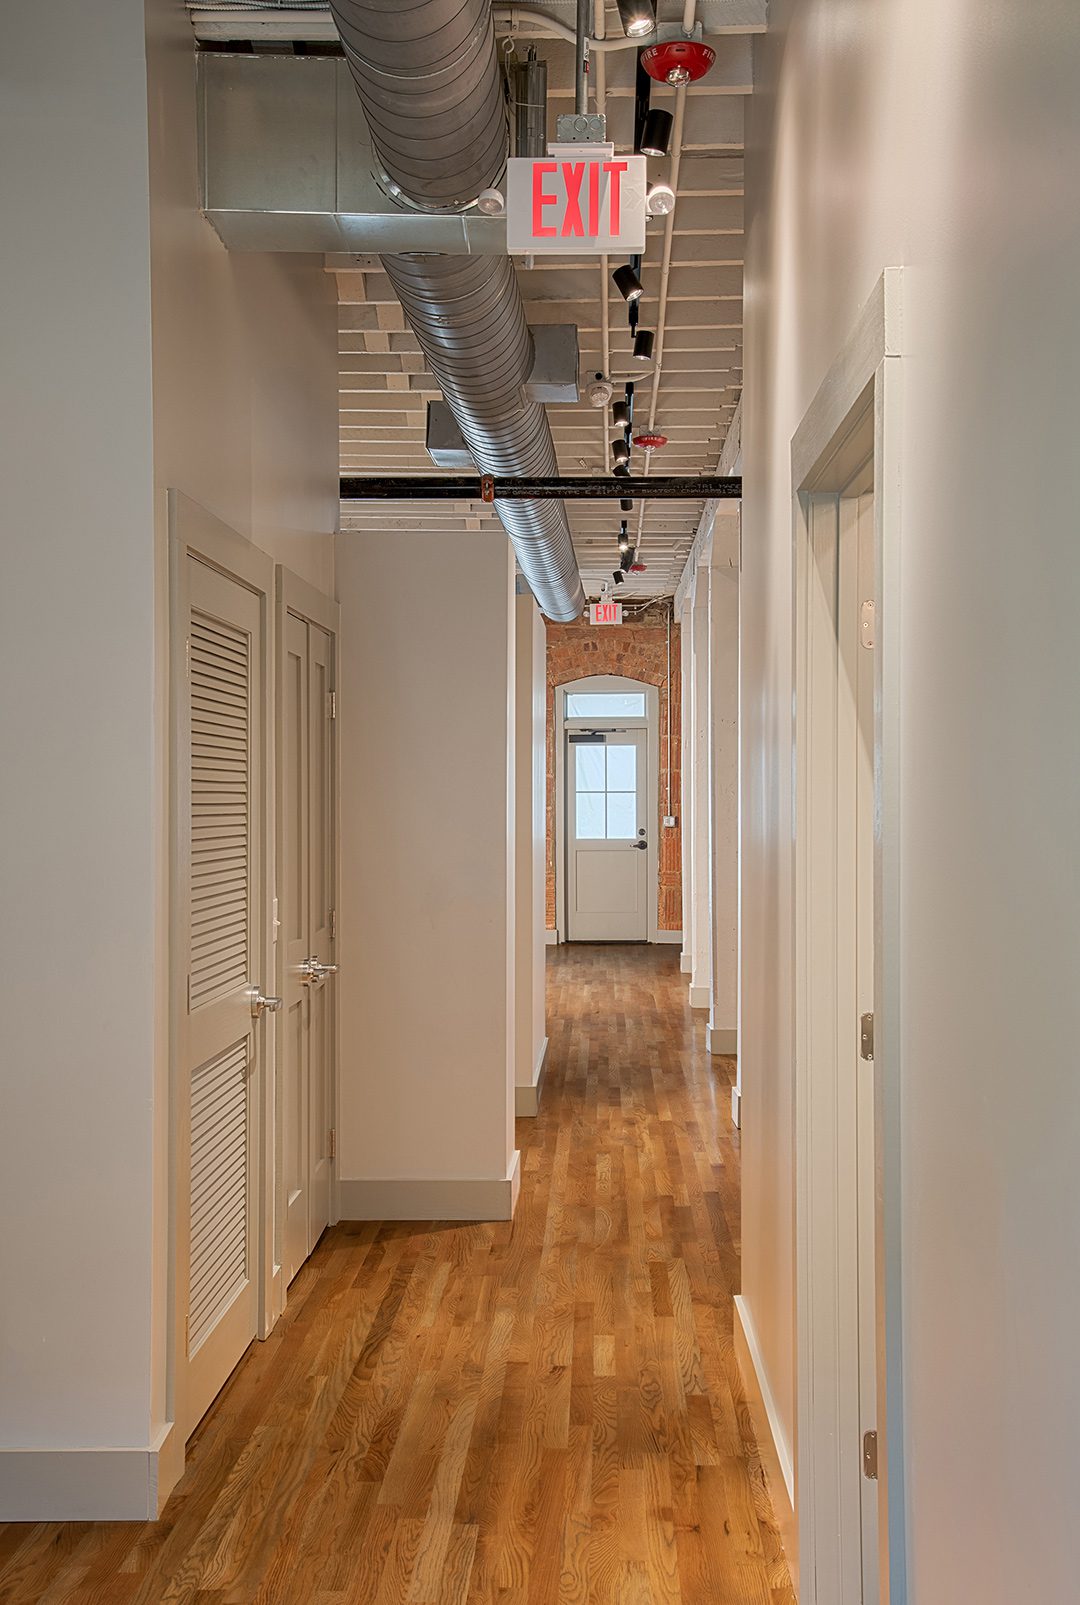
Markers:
point(575, 176)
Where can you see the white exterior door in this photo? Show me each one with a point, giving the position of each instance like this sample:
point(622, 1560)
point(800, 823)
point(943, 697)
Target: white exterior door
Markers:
point(221, 938)
point(306, 935)
point(607, 836)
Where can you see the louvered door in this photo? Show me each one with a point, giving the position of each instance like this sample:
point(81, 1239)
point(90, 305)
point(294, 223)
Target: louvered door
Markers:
point(221, 795)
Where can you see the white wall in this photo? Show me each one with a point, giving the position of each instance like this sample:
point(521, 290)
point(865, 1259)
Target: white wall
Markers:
point(944, 138)
point(426, 919)
point(530, 806)
point(724, 784)
point(698, 891)
point(77, 668)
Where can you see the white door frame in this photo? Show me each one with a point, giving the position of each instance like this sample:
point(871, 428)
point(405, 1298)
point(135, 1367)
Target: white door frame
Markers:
point(194, 532)
point(294, 595)
point(864, 384)
point(651, 724)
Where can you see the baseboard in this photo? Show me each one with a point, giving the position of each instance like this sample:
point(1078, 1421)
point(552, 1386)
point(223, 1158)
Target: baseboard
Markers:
point(700, 996)
point(722, 1039)
point(398, 1198)
point(551, 938)
point(736, 1108)
point(686, 963)
point(669, 936)
point(773, 1446)
point(90, 1484)
point(527, 1099)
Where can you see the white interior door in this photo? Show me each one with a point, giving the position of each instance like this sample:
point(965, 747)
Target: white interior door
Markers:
point(306, 900)
point(607, 836)
point(221, 938)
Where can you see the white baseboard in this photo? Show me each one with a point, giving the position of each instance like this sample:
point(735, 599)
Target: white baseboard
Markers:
point(722, 1039)
point(772, 1442)
point(736, 1108)
point(527, 1099)
point(403, 1198)
point(90, 1484)
point(700, 996)
point(551, 938)
point(686, 963)
point(669, 936)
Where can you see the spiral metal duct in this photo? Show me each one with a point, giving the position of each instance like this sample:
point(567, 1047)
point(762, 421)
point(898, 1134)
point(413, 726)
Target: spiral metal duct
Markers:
point(429, 82)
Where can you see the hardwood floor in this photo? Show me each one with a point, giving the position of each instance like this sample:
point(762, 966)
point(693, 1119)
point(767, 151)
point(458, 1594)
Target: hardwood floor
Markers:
point(465, 1415)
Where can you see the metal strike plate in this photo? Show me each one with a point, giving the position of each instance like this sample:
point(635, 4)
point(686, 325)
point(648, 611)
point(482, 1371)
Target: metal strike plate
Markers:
point(869, 1456)
point(866, 1036)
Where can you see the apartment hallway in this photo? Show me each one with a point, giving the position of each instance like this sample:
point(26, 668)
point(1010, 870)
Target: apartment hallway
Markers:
point(548, 1412)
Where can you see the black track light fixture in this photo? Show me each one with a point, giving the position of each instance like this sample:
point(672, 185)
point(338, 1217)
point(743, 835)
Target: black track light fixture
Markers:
point(624, 538)
point(621, 471)
point(626, 504)
point(627, 282)
point(620, 413)
point(656, 134)
point(620, 450)
point(626, 560)
point(643, 345)
point(619, 577)
point(638, 17)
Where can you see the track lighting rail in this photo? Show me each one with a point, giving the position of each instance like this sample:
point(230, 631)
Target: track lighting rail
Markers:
point(487, 488)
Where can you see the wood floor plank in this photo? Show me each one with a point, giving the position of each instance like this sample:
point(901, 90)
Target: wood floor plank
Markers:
point(543, 1412)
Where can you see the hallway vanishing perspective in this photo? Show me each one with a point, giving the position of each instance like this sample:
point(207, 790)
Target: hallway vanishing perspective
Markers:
point(547, 1410)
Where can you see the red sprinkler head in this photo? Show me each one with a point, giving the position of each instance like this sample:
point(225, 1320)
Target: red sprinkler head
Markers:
point(650, 442)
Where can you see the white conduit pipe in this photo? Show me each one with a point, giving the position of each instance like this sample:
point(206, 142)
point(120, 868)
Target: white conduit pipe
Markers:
point(689, 10)
point(600, 73)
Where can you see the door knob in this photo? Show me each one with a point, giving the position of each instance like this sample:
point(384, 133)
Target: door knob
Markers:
point(261, 1004)
point(312, 973)
point(642, 847)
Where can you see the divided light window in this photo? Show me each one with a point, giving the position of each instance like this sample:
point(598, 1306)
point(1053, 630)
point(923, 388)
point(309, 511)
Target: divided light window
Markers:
point(605, 704)
point(605, 792)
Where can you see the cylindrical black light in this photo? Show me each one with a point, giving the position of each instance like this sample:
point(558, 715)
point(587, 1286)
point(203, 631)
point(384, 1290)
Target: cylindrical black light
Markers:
point(620, 450)
point(656, 135)
point(618, 576)
point(624, 538)
point(643, 345)
point(627, 282)
point(625, 560)
point(620, 413)
point(621, 471)
point(626, 504)
point(638, 17)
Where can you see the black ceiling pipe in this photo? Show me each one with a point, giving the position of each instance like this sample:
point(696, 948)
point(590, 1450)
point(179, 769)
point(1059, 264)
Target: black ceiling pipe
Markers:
point(589, 487)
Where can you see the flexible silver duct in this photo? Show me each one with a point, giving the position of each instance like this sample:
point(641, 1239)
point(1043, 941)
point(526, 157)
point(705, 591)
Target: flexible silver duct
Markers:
point(429, 81)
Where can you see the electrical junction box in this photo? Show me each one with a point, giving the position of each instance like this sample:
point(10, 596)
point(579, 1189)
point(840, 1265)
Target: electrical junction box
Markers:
point(670, 821)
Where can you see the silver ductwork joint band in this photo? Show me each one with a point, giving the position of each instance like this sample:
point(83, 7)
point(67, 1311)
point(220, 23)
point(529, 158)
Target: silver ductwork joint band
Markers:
point(431, 89)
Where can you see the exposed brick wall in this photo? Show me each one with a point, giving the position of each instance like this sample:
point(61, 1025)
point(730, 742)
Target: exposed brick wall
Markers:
point(638, 650)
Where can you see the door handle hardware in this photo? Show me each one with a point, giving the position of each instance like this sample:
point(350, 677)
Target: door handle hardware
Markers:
point(261, 1004)
point(312, 973)
point(642, 847)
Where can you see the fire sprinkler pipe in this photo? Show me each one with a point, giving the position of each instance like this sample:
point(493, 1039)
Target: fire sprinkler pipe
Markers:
point(551, 487)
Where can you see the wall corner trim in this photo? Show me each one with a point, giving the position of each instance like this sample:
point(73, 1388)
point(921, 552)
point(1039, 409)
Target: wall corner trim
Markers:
point(686, 963)
point(527, 1099)
point(114, 1484)
point(672, 937)
point(440, 1198)
point(773, 1446)
point(551, 938)
point(722, 1039)
point(700, 995)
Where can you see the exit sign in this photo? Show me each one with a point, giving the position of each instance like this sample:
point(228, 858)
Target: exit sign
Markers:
point(578, 200)
point(606, 612)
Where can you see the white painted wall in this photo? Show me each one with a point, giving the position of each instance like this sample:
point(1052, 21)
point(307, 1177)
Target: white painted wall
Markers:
point(135, 356)
point(686, 780)
point(77, 968)
point(943, 138)
point(701, 924)
point(426, 919)
point(530, 812)
point(724, 784)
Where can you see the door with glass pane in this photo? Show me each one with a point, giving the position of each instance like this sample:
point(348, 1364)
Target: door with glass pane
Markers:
point(607, 836)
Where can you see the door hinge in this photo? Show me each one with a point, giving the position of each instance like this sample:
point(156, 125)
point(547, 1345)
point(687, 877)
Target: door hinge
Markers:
point(331, 704)
point(333, 925)
point(866, 1036)
point(869, 1456)
point(332, 1150)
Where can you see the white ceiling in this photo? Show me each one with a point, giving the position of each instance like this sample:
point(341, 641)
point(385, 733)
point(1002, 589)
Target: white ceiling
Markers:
point(690, 397)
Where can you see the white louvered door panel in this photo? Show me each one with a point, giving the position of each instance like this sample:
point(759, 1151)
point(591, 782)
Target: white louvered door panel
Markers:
point(225, 781)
